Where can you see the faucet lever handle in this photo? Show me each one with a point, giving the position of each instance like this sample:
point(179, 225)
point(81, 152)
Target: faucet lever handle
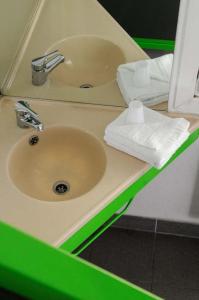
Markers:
point(23, 106)
point(47, 61)
point(47, 57)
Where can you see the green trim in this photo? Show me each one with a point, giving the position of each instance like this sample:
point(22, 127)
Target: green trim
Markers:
point(101, 229)
point(88, 229)
point(166, 45)
point(33, 269)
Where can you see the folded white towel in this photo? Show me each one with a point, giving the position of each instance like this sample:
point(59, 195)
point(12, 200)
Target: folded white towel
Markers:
point(154, 141)
point(146, 80)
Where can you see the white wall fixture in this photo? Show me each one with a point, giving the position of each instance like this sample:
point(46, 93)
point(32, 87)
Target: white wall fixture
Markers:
point(183, 95)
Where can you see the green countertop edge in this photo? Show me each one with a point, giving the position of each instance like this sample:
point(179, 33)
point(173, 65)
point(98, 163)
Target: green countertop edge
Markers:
point(89, 228)
point(156, 44)
point(34, 269)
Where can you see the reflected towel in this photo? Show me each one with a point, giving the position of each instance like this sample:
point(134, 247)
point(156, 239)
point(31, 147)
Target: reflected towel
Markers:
point(146, 80)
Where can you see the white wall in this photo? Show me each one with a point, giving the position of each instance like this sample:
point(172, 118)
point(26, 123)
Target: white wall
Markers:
point(174, 194)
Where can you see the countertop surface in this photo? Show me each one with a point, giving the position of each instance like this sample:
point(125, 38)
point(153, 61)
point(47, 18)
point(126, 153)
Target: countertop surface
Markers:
point(55, 221)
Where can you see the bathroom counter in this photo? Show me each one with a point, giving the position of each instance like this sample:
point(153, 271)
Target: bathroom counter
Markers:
point(58, 221)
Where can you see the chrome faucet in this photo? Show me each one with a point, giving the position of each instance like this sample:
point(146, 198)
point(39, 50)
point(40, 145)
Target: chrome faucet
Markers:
point(42, 66)
point(26, 117)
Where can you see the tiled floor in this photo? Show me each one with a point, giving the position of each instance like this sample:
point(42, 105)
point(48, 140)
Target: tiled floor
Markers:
point(164, 264)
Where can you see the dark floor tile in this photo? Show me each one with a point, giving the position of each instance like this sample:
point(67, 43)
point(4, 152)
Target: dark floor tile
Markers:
point(177, 228)
point(177, 261)
point(135, 223)
point(86, 254)
point(173, 293)
point(125, 253)
point(146, 285)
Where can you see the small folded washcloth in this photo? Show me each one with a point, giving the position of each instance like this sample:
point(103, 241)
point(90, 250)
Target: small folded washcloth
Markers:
point(154, 140)
point(146, 80)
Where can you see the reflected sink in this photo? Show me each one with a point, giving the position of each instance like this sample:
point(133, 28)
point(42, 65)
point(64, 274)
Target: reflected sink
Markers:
point(65, 163)
point(89, 61)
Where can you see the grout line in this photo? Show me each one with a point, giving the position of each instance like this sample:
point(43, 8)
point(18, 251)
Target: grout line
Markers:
point(132, 229)
point(182, 235)
point(155, 230)
point(188, 233)
point(154, 253)
point(156, 225)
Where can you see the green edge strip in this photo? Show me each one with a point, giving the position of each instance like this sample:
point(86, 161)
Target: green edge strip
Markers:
point(89, 228)
point(101, 229)
point(166, 45)
point(36, 270)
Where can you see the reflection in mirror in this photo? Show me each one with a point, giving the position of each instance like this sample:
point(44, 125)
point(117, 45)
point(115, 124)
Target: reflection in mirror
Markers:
point(146, 80)
point(89, 61)
point(11, 33)
point(103, 64)
point(154, 28)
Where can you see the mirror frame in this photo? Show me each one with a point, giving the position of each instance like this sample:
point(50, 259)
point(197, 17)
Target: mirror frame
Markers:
point(186, 60)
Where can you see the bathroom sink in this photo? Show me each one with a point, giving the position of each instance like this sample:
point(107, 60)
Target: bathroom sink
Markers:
point(64, 163)
point(89, 61)
point(50, 187)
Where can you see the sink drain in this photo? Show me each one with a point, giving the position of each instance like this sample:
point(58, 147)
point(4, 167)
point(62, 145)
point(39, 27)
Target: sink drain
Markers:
point(86, 86)
point(61, 187)
point(33, 140)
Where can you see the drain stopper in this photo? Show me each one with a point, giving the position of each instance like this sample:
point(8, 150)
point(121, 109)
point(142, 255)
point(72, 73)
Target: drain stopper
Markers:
point(86, 86)
point(61, 187)
point(33, 140)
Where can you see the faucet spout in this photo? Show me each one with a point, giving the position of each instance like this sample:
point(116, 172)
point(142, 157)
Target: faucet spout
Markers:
point(26, 117)
point(42, 66)
point(40, 127)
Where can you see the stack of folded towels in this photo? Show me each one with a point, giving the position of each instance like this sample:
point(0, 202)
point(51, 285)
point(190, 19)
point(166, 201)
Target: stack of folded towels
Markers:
point(146, 80)
point(147, 134)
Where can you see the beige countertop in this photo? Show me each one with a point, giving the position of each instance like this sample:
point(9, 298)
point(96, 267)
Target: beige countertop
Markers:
point(55, 221)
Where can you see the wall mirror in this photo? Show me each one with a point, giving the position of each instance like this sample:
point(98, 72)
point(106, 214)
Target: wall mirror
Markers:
point(93, 45)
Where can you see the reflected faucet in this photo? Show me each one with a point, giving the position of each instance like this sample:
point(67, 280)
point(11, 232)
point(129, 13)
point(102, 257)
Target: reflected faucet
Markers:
point(26, 117)
point(42, 66)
